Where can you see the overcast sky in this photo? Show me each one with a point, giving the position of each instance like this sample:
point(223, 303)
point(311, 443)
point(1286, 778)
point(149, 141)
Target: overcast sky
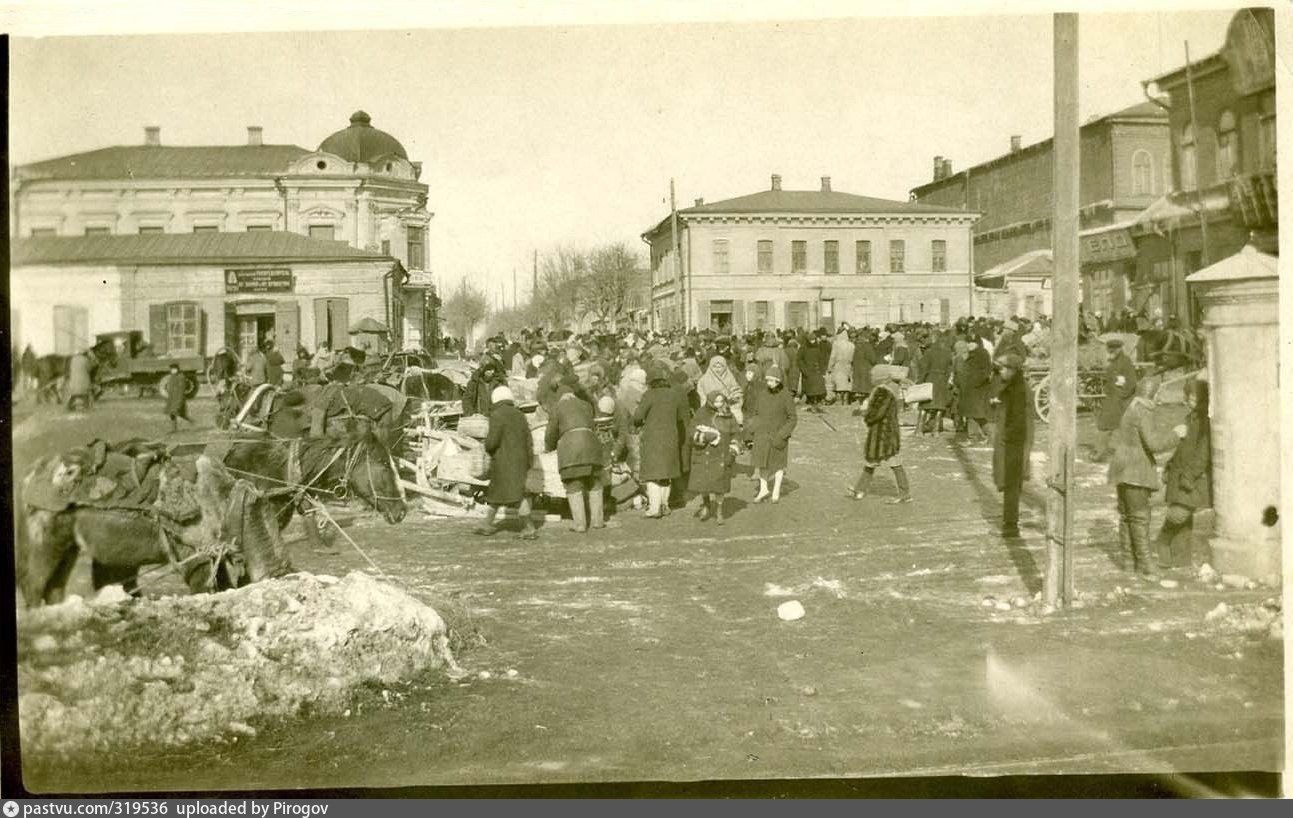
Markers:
point(535, 136)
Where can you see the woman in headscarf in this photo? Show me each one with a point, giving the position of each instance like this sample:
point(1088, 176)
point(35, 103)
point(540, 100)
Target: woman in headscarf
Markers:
point(512, 453)
point(864, 357)
point(580, 458)
point(841, 366)
point(883, 437)
point(771, 425)
point(714, 447)
point(662, 416)
point(900, 354)
point(973, 379)
point(719, 378)
point(936, 370)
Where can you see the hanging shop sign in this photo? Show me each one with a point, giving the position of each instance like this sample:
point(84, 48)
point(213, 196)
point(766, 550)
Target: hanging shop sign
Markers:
point(258, 281)
point(1110, 245)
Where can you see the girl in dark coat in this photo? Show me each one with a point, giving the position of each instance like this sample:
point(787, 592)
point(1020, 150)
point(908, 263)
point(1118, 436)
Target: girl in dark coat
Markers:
point(662, 416)
point(713, 438)
point(794, 376)
point(511, 451)
point(1189, 482)
point(883, 437)
point(580, 457)
point(973, 381)
point(771, 425)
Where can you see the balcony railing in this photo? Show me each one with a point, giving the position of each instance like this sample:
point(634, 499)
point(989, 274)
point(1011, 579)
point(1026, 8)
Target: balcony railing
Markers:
point(1254, 200)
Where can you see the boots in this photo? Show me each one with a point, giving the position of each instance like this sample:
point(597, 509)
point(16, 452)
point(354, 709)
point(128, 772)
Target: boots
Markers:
point(904, 490)
point(702, 513)
point(776, 486)
point(655, 498)
point(578, 513)
point(528, 531)
point(718, 507)
point(863, 483)
point(486, 526)
point(1139, 532)
point(596, 512)
point(763, 490)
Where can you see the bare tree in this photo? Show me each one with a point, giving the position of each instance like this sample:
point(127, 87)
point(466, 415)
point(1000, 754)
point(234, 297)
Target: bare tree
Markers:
point(614, 272)
point(561, 275)
point(466, 307)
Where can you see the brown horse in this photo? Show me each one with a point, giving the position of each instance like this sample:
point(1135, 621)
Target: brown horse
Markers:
point(120, 541)
point(298, 474)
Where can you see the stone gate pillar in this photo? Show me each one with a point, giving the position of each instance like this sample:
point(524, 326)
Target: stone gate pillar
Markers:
point(1240, 300)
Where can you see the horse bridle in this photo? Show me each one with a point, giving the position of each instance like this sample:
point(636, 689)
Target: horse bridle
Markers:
point(353, 453)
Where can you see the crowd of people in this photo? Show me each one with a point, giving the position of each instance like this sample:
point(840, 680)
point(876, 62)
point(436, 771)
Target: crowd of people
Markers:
point(676, 409)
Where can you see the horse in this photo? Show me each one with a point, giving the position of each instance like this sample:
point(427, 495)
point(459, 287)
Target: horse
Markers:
point(49, 371)
point(120, 541)
point(357, 463)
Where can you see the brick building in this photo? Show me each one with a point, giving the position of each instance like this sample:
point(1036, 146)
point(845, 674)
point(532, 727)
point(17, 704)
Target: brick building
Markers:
point(358, 187)
point(1223, 151)
point(809, 258)
point(1125, 166)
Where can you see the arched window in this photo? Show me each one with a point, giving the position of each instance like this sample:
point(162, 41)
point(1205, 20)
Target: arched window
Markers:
point(1142, 174)
point(1227, 147)
point(1186, 170)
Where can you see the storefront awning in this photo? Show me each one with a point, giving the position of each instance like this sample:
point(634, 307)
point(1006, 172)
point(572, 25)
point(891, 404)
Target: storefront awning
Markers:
point(1033, 264)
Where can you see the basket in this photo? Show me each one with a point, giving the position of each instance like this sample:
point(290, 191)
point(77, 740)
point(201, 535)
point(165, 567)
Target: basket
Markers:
point(476, 426)
point(478, 463)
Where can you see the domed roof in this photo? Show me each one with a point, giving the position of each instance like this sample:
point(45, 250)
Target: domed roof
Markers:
point(361, 142)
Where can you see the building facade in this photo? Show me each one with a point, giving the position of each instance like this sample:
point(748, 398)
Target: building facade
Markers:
point(192, 294)
point(358, 187)
point(1222, 114)
point(1126, 164)
point(796, 259)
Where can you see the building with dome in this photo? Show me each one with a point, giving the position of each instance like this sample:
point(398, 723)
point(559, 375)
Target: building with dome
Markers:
point(358, 187)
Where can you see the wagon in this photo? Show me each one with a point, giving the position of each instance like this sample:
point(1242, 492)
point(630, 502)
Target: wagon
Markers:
point(127, 363)
point(1090, 375)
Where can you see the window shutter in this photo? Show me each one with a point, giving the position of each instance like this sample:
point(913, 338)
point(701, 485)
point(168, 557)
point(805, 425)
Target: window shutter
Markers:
point(231, 328)
point(702, 315)
point(158, 328)
point(202, 332)
point(340, 322)
point(320, 321)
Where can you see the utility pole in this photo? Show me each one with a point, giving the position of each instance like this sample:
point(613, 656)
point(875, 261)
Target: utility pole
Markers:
point(513, 287)
point(677, 253)
point(1064, 329)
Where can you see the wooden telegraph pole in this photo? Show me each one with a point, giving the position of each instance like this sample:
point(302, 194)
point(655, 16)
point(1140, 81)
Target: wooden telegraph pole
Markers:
point(1064, 328)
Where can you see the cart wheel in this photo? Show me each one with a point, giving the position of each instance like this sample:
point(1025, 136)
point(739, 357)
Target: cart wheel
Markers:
point(190, 385)
point(1042, 399)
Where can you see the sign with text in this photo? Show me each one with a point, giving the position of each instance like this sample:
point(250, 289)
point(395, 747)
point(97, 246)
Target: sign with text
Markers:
point(1111, 245)
point(257, 281)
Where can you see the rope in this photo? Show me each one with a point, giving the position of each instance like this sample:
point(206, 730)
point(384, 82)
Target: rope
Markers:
point(319, 507)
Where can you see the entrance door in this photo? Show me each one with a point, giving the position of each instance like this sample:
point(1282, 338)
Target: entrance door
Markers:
point(332, 322)
point(797, 314)
point(287, 328)
point(828, 315)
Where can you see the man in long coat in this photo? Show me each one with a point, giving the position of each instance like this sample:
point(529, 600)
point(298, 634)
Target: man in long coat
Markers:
point(864, 358)
point(1133, 470)
point(1010, 454)
point(812, 365)
point(511, 452)
point(1188, 479)
point(1119, 388)
point(662, 416)
point(936, 370)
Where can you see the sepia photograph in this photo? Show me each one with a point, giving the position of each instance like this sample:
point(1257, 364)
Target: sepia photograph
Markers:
point(575, 395)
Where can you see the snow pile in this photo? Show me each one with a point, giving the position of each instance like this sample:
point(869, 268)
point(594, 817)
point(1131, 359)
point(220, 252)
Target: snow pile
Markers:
point(107, 676)
point(1261, 619)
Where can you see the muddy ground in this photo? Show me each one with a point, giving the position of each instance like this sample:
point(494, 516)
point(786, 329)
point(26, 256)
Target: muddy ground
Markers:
point(653, 651)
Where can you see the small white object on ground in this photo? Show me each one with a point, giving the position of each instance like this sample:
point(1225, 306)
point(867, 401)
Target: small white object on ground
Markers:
point(111, 595)
point(511, 673)
point(1169, 583)
point(1216, 613)
point(484, 674)
point(790, 611)
point(1003, 606)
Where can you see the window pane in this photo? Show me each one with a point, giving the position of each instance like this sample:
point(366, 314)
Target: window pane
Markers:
point(205, 228)
point(98, 231)
point(151, 230)
point(897, 256)
point(259, 228)
point(417, 248)
point(38, 232)
point(721, 266)
point(765, 256)
point(938, 256)
point(864, 258)
point(326, 232)
point(832, 257)
point(798, 256)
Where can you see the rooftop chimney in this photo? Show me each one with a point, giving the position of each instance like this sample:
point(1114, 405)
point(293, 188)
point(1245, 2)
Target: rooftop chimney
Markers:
point(826, 184)
point(152, 135)
point(776, 181)
point(700, 201)
point(947, 168)
point(1016, 142)
point(938, 168)
point(255, 135)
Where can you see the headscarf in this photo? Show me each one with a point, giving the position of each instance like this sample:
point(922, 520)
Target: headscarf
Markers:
point(713, 381)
